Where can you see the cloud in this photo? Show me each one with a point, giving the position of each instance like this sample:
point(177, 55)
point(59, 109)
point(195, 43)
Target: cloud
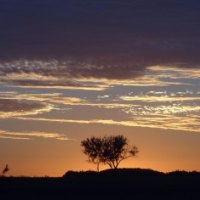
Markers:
point(190, 124)
point(82, 76)
point(158, 97)
point(140, 59)
point(12, 108)
point(166, 108)
point(162, 110)
point(164, 98)
point(59, 98)
point(54, 70)
point(4, 134)
point(100, 39)
point(175, 72)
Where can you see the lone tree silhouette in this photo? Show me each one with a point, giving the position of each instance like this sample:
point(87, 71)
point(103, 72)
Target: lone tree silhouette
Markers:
point(110, 150)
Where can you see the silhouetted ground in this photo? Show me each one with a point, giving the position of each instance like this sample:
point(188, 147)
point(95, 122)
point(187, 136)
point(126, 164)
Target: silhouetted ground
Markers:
point(124, 184)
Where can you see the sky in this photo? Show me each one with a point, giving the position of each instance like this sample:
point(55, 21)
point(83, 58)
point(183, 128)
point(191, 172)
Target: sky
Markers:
point(72, 69)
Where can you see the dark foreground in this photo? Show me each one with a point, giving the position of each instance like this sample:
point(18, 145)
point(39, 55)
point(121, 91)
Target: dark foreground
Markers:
point(125, 184)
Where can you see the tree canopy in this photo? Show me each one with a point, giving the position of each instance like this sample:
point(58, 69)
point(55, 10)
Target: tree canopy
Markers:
point(109, 150)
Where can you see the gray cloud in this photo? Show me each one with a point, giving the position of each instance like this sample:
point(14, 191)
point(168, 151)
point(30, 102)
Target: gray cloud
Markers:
point(56, 44)
point(9, 105)
point(121, 38)
point(68, 69)
point(63, 74)
point(76, 75)
point(13, 108)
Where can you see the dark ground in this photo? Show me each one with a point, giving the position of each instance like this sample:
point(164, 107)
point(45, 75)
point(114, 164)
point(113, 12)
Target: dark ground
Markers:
point(125, 184)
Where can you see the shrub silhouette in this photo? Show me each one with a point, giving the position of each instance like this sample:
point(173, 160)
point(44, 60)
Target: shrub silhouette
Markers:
point(5, 170)
point(110, 150)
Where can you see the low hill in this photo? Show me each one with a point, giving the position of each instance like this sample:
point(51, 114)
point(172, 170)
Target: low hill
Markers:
point(117, 172)
point(121, 184)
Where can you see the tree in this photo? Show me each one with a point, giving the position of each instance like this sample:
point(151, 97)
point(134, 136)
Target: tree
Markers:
point(110, 150)
point(92, 148)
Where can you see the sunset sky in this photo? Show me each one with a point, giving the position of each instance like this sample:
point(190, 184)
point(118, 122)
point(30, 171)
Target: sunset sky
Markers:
point(71, 69)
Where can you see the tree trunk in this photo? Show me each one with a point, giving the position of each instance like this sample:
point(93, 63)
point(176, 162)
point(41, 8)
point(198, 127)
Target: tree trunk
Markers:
point(98, 167)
